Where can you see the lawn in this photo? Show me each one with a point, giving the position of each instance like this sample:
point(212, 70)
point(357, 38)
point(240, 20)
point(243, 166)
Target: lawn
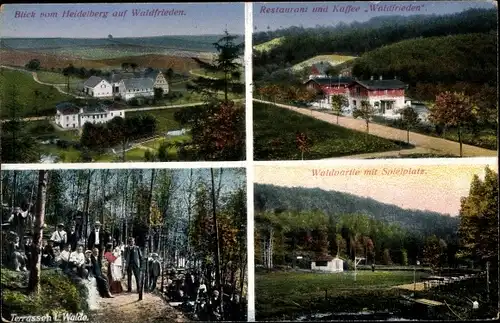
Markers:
point(275, 132)
point(57, 78)
point(25, 86)
point(485, 138)
point(165, 118)
point(280, 293)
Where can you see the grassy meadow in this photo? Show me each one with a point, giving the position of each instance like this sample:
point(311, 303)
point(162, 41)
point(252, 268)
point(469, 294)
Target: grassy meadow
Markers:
point(26, 87)
point(282, 293)
point(332, 59)
point(268, 45)
point(275, 132)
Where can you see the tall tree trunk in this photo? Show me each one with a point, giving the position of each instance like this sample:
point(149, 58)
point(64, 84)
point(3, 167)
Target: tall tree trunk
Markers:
point(87, 205)
point(145, 280)
point(217, 248)
point(36, 245)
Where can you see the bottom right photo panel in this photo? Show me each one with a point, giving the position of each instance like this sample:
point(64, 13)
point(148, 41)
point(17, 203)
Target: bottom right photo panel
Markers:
point(376, 240)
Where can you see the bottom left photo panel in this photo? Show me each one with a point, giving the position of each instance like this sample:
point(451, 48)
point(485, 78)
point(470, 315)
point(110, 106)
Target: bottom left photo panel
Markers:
point(124, 245)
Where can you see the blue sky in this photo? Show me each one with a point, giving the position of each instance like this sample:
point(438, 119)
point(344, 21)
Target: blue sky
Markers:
point(310, 19)
point(199, 19)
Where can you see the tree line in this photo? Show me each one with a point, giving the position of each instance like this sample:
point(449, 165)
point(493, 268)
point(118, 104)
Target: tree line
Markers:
point(357, 38)
point(291, 223)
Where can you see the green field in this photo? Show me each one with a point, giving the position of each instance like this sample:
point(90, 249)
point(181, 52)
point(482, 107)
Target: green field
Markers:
point(332, 59)
point(29, 104)
point(103, 53)
point(165, 118)
point(57, 78)
point(275, 136)
point(282, 293)
point(268, 45)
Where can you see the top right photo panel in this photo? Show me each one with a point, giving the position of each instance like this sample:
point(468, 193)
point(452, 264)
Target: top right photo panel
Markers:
point(375, 79)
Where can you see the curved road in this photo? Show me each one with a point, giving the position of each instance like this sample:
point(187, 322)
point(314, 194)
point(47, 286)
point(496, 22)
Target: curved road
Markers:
point(432, 144)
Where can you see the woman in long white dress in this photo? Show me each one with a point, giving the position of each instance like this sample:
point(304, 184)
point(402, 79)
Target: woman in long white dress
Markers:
point(115, 275)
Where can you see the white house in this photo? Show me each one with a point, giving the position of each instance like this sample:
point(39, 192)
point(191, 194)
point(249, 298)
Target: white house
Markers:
point(327, 263)
point(98, 87)
point(136, 87)
point(71, 116)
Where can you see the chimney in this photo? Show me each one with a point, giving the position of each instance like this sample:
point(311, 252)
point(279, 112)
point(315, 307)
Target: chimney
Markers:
point(380, 77)
point(371, 78)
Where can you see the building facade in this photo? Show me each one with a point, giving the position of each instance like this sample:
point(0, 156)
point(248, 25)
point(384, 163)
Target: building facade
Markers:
point(98, 87)
point(328, 263)
point(71, 116)
point(387, 96)
point(136, 87)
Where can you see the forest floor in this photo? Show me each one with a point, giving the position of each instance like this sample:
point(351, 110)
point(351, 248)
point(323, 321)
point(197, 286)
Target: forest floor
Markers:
point(126, 307)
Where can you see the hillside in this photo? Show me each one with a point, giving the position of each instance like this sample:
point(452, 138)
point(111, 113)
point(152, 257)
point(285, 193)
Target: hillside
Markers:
point(357, 38)
point(270, 197)
point(268, 45)
point(469, 58)
point(189, 43)
point(333, 59)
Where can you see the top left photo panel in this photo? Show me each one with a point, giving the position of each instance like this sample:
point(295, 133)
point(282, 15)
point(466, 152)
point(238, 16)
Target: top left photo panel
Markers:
point(82, 83)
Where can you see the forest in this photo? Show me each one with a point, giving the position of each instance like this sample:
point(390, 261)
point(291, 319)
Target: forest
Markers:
point(192, 217)
point(348, 222)
point(357, 38)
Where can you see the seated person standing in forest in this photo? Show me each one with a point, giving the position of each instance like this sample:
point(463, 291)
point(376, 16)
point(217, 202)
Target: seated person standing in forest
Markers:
point(102, 282)
point(63, 259)
point(77, 260)
point(48, 254)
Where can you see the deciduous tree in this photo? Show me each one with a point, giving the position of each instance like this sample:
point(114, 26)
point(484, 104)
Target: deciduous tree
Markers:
point(409, 118)
point(338, 101)
point(453, 109)
point(365, 112)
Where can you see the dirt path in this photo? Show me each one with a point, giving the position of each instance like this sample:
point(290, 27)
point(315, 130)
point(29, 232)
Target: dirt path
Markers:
point(439, 145)
point(411, 287)
point(127, 308)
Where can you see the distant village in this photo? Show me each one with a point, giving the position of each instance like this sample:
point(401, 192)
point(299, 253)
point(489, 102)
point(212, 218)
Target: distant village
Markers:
point(386, 95)
point(120, 84)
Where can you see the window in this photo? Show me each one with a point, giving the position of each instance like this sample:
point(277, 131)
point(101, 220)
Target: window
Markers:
point(358, 90)
point(74, 118)
point(120, 113)
point(67, 118)
point(93, 117)
point(377, 104)
point(321, 263)
point(354, 103)
point(111, 113)
point(73, 125)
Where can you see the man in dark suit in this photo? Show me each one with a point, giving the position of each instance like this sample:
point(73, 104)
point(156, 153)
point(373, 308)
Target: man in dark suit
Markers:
point(133, 259)
point(97, 239)
point(154, 271)
point(95, 270)
point(73, 237)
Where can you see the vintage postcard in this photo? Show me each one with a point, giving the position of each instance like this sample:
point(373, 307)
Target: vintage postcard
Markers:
point(124, 245)
point(377, 241)
point(122, 82)
point(375, 79)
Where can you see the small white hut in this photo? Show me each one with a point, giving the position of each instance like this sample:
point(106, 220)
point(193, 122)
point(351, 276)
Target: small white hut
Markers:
point(328, 263)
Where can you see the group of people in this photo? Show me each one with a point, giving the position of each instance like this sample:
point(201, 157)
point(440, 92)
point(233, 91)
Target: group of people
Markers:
point(205, 302)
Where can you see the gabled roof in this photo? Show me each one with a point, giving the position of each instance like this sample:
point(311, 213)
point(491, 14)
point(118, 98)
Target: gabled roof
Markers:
point(381, 84)
point(138, 83)
point(93, 81)
point(118, 76)
point(152, 74)
point(331, 80)
point(66, 108)
point(95, 108)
